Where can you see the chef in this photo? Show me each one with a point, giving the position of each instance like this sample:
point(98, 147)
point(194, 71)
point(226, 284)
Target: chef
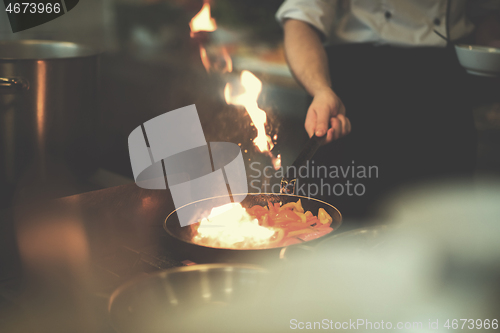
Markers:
point(379, 65)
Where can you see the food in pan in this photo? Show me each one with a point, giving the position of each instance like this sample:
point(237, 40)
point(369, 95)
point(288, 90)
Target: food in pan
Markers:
point(274, 225)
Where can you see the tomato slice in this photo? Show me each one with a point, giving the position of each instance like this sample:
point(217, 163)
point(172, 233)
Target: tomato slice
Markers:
point(299, 232)
point(291, 224)
point(295, 226)
point(257, 211)
point(272, 207)
point(312, 222)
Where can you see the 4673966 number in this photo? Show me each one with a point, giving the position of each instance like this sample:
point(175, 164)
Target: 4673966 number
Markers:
point(471, 324)
point(33, 8)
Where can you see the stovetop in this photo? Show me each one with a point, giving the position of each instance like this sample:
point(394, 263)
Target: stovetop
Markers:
point(123, 230)
point(108, 273)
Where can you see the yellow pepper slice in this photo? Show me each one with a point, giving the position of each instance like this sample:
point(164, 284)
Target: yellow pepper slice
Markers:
point(323, 216)
point(295, 206)
point(303, 217)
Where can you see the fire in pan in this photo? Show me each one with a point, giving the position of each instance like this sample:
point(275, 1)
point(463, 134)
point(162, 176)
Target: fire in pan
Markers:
point(258, 228)
point(248, 243)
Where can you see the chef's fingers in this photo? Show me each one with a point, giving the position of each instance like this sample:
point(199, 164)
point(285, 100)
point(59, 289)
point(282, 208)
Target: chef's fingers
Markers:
point(341, 119)
point(337, 126)
point(336, 129)
point(340, 126)
point(329, 135)
point(322, 119)
point(348, 125)
point(310, 123)
point(344, 124)
point(341, 108)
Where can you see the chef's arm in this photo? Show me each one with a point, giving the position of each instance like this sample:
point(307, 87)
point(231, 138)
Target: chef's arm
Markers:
point(307, 59)
point(488, 30)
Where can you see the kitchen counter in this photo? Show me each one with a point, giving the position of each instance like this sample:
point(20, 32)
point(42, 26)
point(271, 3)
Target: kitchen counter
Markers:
point(120, 216)
point(121, 230)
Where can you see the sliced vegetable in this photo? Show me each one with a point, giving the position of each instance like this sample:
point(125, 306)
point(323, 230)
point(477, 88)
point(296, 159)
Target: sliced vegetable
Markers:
point(291, 223)
point(300, 232)
point(296, 206)
point(323, 216)
point(302, 216)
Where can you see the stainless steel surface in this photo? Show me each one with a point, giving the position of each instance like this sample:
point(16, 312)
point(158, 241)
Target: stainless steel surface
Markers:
point(48, 94)
point(42, 50)
point(167, 299)
point(123, 230)
point(114, 217)
point(13, 84)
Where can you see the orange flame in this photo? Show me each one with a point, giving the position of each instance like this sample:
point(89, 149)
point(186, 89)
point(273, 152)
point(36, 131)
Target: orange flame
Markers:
point(229, 63)
point(204, 58)
point(248, 99)
point(226, 66)
point(202, 21)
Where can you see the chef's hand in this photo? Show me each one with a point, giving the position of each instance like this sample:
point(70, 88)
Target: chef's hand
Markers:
point(326, 114)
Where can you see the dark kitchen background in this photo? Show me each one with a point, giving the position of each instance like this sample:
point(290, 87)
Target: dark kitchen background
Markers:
point(150, 65)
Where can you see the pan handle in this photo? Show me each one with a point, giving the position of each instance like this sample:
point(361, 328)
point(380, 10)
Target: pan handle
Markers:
point(13, 84)
point(290, 179)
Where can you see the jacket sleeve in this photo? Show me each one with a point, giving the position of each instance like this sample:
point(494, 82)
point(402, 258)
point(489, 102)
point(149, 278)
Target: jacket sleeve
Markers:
point(318, 13)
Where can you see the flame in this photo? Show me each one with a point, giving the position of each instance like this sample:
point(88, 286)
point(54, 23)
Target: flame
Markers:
point(202, 21)
point(204, 58)
point(229, 62)
point(226, 64)
point(252, 86)
point(230, 226)
point(277, 162)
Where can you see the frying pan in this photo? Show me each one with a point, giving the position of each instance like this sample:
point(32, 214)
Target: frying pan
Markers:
point(204, 254)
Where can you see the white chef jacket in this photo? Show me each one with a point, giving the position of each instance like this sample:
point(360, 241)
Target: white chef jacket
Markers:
point(404, 23)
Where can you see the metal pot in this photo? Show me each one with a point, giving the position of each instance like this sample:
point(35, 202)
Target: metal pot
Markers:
point(204, 254)
point(48, 95)
point(166, 300)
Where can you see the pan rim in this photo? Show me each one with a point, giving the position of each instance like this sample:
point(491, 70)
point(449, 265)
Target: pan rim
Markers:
point(257, 249)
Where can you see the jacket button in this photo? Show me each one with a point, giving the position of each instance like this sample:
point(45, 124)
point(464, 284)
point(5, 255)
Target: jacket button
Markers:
point(437, 21)
point(388, 15)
